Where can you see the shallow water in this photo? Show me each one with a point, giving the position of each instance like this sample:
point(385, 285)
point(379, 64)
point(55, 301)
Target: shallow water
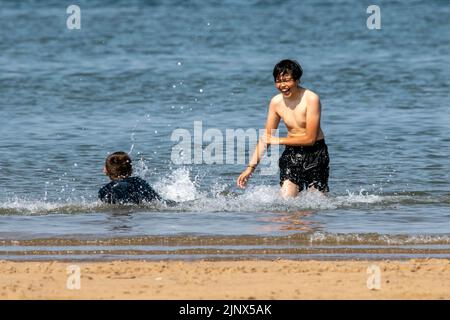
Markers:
point(137, 70)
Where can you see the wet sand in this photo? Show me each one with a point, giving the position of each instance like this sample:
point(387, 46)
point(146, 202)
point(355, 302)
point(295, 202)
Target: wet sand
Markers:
point(279, 279)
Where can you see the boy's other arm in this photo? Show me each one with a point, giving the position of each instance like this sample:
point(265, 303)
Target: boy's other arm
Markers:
point(168, 202)
point(151, 195)
point(313, 111)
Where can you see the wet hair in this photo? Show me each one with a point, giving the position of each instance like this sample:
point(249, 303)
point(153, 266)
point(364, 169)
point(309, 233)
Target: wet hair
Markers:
point(118, 165)
point(287, 66)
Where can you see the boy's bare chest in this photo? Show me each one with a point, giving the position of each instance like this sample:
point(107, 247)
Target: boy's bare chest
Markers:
point(293, 116)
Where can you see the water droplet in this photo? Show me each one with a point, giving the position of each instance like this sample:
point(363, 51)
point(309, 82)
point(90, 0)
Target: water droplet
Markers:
point(75, 165)
point(174, 86)
point(201, 90)
point(179, 63)
point(156, 131)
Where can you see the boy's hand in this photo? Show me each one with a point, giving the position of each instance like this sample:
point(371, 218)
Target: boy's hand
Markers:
point(243, 178)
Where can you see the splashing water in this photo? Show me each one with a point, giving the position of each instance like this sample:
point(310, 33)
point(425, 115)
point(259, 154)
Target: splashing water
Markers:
point(180, 186)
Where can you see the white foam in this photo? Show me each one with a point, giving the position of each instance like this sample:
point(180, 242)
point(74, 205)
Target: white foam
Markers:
point(353, 198)
point(178, 186)
point(374, 238)
point(24, 206)
point(186, 188)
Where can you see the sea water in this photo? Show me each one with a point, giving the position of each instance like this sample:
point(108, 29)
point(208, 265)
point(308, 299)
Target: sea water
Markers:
point(137, 71)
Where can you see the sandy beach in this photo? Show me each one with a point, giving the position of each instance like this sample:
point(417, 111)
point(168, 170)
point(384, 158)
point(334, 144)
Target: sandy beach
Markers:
point(280, 279)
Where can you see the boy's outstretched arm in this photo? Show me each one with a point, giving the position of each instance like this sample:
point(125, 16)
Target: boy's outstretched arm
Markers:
point(272, 122)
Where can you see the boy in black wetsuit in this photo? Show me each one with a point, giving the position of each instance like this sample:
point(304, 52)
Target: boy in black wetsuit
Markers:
point(124, 188)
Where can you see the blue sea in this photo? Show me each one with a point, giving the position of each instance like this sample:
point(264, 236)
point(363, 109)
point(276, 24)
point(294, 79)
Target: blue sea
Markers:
point(137, 71)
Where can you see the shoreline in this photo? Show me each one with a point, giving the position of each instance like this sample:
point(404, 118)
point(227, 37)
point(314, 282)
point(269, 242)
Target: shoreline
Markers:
point(223, 280)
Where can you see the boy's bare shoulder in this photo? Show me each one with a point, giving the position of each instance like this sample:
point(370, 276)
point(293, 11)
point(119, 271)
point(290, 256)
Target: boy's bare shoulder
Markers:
point(311, 96)
point(276, 100)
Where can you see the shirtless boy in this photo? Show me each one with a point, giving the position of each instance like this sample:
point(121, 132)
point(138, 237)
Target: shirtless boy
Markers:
point(305, 160)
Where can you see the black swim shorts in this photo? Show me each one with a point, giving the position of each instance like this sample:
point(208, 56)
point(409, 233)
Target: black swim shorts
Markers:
point(306, 166)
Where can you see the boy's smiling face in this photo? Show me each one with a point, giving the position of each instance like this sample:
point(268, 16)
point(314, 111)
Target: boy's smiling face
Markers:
point(286, 84)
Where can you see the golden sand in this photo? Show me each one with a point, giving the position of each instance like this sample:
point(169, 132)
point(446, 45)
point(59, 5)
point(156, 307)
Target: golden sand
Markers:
point(280, 279)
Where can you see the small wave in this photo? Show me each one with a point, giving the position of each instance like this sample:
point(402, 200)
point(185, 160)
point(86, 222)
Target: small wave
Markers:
point(179, 186)
point(258, 199)
point(377, 239)
point(298, 239)
point(26, 207)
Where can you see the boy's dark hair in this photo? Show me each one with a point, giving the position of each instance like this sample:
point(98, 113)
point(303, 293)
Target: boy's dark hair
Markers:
point(118, 165)
point(287, 66)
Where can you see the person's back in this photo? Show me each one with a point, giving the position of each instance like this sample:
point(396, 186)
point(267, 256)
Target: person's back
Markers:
point(128, 190)
point(124, 188)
